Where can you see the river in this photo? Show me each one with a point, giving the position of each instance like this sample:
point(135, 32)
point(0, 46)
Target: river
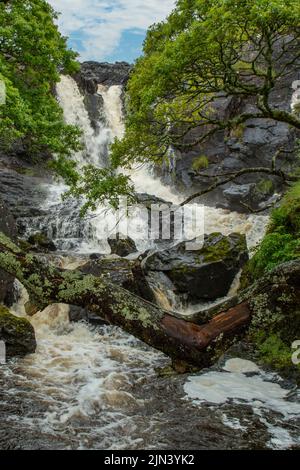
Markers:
point(96, 387)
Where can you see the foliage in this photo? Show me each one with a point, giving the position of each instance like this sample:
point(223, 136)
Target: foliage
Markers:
point(32, 54)
point(282, 241)
point(264, 186)
point(207, 49)
point(200, 163)
point(97, 185)
point(273, 351)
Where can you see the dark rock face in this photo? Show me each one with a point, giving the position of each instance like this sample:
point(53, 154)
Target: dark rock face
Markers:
point(204, 274)
point(94, 73)
point(21, 193)
point(122, 246)
point(8, 227)
point(125, 273)
point(40, 242)
point(253, 144)
point(17, 333)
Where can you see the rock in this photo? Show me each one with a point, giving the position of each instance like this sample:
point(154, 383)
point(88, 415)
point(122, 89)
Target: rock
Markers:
point(238, 194)
point(8, 227)
point(94, 73)
point(23, 194)
point(252, 145)
point(148, 200)
point(125, 273)
point(40, 242)
point(164, 214)
point(122, 246)
point(204, 274)
point(77, 314)
point(17, 333)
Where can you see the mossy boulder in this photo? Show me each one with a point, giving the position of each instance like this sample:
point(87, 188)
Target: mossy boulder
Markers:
point(281, 242)
point(121, 245)
point(40, 242)
point(122, 272)
point(204, 274)
point(275, 324)
point(17, 333)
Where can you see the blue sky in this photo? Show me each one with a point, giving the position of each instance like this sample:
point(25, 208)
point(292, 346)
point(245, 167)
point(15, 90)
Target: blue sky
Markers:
point(109, 30)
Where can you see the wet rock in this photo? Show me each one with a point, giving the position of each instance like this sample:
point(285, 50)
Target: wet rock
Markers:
point(8, 227)
point(125, 273)
point(77, 314)
point(17, 333)
point(40, 242)
point(252, 145)
point(238, 194)
point(121, 245)
point(94, 73)
point(148, 200)
point(163, 212)
point(204, 274)
point(22, 193)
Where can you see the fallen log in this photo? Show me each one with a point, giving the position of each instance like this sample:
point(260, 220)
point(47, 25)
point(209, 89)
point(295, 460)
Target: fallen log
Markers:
point(181, 340)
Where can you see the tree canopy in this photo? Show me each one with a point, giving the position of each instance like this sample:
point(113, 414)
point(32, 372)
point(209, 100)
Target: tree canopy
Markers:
point(32, 54)
point(204, 51)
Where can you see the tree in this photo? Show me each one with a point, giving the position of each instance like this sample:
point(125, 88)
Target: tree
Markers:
point(198, 340)
point(208, 50)
point(32, 54)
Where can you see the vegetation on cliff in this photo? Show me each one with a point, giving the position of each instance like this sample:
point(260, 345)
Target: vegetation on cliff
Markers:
point(32, 54)
point(204, 52)
point(282, 241)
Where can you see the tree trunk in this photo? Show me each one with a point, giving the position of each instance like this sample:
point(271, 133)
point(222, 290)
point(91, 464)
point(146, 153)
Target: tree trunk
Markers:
point(179, 338)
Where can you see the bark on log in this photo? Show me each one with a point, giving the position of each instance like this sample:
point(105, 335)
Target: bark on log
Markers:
point(165, 331)
point(181, 339)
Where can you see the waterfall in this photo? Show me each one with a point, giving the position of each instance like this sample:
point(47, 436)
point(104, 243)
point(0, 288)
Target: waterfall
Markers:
point(95, 141)
point(113, 109)
point(92, 387)
point(61, 221)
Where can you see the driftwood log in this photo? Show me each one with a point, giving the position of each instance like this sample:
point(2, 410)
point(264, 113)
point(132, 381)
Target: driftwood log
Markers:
point(197, 340)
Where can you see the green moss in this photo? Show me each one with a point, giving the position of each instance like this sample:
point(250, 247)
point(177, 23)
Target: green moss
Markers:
point(217, 251)
point(238, 131)
point(200, 163)
point(265, 187)
point(6, 242)
point(11, 322)
point(282, 241)
point(273, 351)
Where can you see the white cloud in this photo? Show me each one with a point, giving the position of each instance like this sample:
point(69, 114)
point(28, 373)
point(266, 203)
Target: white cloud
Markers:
point(99, 24)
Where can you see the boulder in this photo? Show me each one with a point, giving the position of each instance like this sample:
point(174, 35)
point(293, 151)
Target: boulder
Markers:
point(125, 273)
point(17, 334)
point(204, 274)
point(122, 246)
point(40, 242)
point(8, 227)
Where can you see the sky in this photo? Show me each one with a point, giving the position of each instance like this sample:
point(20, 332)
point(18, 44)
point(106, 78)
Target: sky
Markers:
point(109, 30)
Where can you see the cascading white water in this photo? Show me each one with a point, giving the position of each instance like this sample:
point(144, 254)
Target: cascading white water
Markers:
point(113, 108)
point(81, 379)
point(95, 141)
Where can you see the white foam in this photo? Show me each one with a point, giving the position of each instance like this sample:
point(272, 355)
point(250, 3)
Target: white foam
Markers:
point(240, 366)
point(218, 388)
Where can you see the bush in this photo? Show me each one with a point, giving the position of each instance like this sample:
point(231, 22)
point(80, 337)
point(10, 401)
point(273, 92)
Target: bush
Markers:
point(282, 241)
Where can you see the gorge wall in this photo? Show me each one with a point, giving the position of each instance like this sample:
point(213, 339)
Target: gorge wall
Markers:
point(251, 145)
